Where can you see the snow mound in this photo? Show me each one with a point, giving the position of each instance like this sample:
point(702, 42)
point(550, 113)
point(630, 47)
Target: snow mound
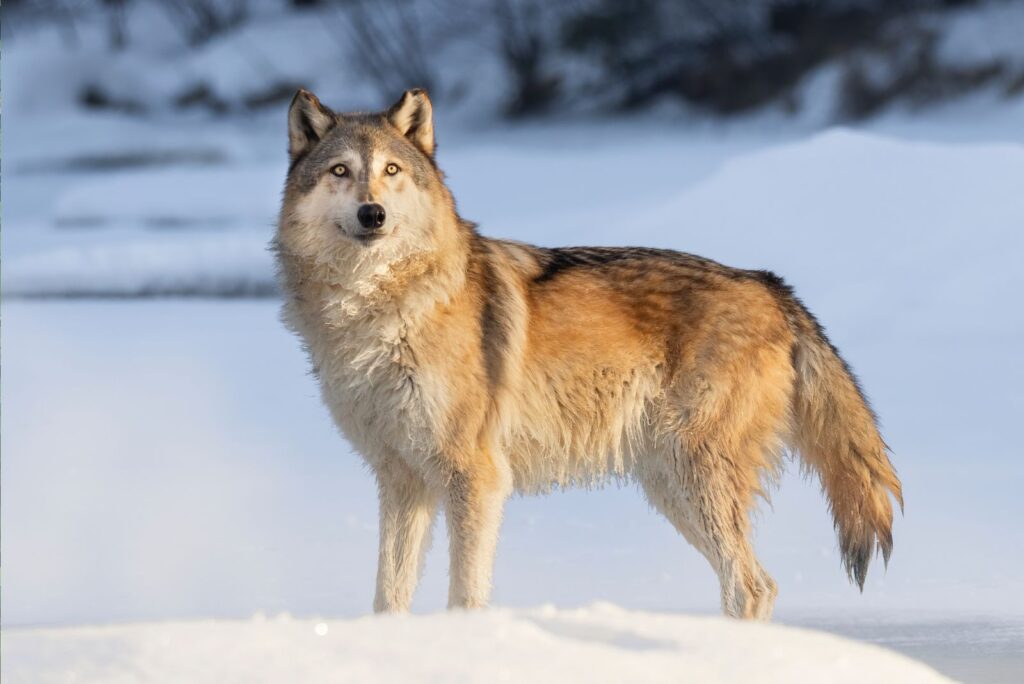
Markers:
point(225, 264)
point(602, 643)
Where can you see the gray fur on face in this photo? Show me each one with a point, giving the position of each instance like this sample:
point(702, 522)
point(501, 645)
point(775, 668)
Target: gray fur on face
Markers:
point(363, 134)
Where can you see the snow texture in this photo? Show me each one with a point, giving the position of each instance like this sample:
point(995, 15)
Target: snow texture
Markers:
point(597, 644)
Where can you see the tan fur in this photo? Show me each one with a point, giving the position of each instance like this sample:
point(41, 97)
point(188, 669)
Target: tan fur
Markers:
point(464, 368)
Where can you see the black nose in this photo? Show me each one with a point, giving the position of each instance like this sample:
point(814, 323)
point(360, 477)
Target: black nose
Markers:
point(371, 215)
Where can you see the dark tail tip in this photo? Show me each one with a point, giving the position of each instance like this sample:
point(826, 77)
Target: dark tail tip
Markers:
point(857, 559)
point(885, 544)
point(857, 553)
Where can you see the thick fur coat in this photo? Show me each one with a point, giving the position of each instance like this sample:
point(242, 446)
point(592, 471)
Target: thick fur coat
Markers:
point(464, 368)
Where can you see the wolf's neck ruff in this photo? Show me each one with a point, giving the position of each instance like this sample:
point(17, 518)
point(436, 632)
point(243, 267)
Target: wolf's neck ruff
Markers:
point(461, 367)
point(350, 281)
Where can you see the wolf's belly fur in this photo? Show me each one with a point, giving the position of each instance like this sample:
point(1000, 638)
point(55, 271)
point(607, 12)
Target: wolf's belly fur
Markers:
point(582, 429)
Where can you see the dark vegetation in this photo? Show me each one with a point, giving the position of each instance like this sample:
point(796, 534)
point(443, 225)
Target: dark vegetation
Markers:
point(722, 56)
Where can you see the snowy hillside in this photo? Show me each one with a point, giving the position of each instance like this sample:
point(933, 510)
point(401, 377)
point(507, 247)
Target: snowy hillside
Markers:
point(598, 644)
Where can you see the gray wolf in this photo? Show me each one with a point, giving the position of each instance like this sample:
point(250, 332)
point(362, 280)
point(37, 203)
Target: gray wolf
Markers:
point(465, 368)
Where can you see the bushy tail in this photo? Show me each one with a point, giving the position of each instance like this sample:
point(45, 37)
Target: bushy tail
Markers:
point(837, 437)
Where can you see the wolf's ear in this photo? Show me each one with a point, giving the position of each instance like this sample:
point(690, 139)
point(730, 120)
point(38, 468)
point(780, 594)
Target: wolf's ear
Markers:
point(308, 121)
point(413, 116)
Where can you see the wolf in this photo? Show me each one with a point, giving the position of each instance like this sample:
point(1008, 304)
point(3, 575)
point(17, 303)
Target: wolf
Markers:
point(465, 368)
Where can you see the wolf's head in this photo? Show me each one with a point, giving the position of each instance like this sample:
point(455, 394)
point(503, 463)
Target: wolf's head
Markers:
point(364, 185)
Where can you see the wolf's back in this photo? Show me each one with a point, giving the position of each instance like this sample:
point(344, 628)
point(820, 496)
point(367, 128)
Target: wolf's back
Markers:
point(837, 437)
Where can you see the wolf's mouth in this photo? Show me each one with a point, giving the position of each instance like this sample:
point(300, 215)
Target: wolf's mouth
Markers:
point(362, 235)
point(368, 237)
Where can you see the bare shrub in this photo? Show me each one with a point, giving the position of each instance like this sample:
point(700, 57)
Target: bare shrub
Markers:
point(200, 20)
point(390, 41)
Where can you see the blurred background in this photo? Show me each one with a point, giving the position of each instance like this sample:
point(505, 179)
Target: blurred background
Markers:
point(165, 454)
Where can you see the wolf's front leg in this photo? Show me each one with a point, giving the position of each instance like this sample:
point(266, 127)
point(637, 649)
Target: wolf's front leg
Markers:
point(475, 503)
point(407, 508)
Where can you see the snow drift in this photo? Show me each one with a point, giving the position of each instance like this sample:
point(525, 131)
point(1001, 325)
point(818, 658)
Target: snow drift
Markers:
point(602, 643)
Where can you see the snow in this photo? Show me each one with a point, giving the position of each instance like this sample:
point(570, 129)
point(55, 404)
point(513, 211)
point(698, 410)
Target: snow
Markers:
point(979, 34)
point(598, 644)
point(171, 198)
point(897, 205)
point(166, 461)
point(230, 264)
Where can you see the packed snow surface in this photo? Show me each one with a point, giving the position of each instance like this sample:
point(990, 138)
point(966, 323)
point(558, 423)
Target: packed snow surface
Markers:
point(602, 643)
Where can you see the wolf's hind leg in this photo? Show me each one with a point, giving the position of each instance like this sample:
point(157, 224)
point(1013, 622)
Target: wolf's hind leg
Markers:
point(407, 509)
point(707, 502)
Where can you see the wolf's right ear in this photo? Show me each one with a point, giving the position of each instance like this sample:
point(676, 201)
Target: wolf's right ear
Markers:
point(308, 121)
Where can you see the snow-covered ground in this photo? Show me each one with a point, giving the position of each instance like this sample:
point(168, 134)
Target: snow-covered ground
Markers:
point(168, 459)
point(597, 644)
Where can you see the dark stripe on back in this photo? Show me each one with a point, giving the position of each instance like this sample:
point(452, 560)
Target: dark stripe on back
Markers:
point(559, 260)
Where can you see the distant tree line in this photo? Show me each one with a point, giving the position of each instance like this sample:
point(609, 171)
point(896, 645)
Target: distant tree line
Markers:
point(724, 56)
point(730, 56)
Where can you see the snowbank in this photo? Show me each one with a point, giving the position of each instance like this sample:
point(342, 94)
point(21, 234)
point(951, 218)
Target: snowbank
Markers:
point(602, 643)
point(892, 206)
point(221, 264)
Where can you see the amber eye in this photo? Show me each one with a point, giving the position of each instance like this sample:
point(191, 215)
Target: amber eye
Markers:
point(339, 170)
point(391, 169)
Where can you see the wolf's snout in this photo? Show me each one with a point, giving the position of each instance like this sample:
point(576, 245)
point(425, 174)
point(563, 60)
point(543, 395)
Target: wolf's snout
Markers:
point(371, 216)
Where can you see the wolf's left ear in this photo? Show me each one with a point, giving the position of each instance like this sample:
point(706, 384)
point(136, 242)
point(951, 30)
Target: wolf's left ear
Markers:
point(308, 121)
point(413, 116)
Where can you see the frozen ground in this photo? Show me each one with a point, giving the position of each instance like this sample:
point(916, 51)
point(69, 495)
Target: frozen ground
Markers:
point(167, 459)
point(597, 644)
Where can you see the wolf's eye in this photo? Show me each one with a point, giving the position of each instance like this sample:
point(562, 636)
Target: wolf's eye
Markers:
point(339, 170)
point(391, 169)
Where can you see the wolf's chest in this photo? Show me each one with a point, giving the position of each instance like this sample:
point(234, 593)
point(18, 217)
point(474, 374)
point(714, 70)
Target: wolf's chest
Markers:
point(370, 379)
